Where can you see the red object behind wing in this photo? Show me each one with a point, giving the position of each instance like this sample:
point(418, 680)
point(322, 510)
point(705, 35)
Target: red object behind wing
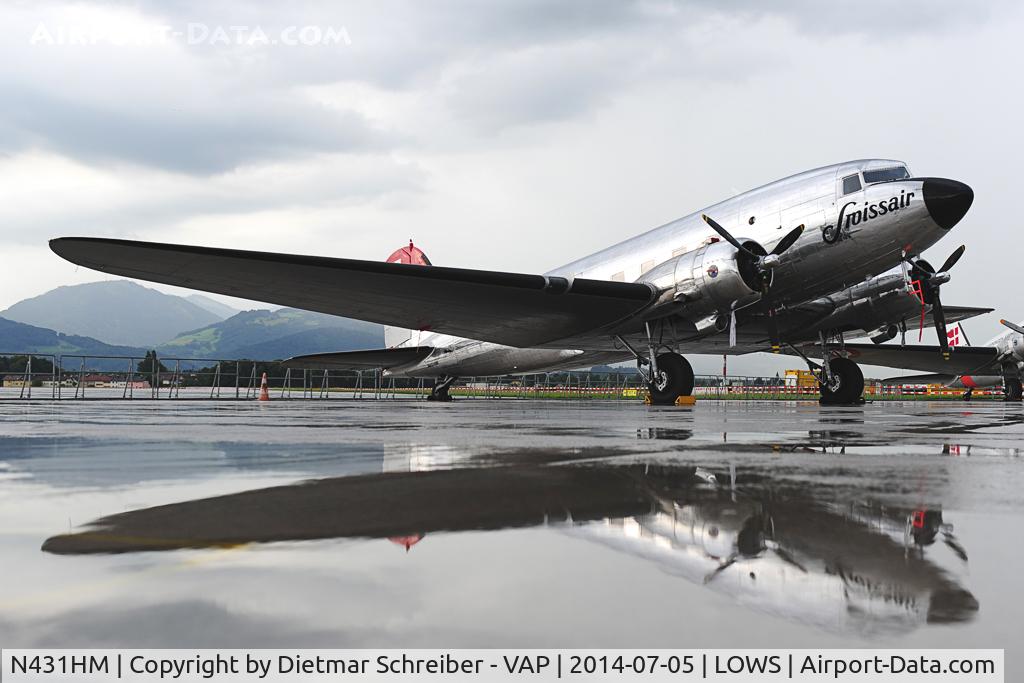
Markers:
point(411, 255)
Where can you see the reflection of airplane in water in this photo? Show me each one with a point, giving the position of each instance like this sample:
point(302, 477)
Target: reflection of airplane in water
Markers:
point(856, 568)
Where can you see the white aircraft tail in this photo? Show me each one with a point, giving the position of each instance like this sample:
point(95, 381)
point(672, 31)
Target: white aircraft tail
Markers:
point(412, 255)
point(955, 336)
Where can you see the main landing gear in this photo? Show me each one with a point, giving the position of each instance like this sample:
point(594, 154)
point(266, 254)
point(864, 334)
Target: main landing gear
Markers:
point(1012, 389)
point(842, 382)
point(672, 379)
point(840, 379)
point(667, 375)
point(440, 390)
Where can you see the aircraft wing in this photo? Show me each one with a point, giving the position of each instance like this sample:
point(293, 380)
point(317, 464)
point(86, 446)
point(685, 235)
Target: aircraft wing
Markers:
point(507, 308)
point(931, 378)
point(954, 314)
point(361, 360)
point(964, 360)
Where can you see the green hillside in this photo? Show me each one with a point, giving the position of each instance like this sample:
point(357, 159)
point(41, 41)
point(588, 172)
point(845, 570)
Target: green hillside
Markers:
point(18, 337)
point(267, 335)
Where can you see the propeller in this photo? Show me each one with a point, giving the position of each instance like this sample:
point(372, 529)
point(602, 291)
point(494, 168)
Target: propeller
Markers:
point(770, 546)
point(1013, 326)
point(930, 282)
point(762, 266)
point(719, 569)
point(954, 545)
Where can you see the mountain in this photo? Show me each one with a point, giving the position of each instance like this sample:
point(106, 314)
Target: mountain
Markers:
point(222, 311)
point(18, 337)
point(269, 335)
point(118, 311)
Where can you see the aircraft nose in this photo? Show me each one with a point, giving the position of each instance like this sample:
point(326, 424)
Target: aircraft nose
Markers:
point(947, 201)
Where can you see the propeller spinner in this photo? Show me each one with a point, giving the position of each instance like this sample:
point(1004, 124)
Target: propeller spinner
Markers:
point(762, 265)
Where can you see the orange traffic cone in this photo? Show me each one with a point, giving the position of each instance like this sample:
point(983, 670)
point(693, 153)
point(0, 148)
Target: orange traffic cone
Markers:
point(264, 390)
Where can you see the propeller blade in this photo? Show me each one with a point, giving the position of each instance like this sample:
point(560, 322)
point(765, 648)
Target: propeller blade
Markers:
point(725, 234)
point(719, 569)
point(955, 546)
point(919, 265)
point(1013, 326)
point(953, 258)
point(789, 240)
point(939, 316)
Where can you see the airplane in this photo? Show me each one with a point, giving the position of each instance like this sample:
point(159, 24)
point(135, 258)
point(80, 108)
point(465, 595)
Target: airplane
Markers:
point(1000, 361)
point(808, 258)
point(851, 567)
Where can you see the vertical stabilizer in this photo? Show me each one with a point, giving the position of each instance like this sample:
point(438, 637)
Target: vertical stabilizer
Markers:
point(412, 255)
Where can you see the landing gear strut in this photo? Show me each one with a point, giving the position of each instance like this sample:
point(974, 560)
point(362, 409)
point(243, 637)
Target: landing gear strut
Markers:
point(1012, 388)
point(673, 379)
point(843, 383)
point(968, 395)
point(839, 378)
point(668, 375)
point(440, 390)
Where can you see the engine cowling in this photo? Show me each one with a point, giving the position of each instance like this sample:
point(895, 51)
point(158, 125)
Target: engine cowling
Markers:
point(708, 281)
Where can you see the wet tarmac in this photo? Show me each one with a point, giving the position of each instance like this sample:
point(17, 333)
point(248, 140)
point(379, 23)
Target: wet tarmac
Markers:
point(511, 523)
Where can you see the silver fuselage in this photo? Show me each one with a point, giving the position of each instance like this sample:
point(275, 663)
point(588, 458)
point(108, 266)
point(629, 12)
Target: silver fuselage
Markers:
point(848, 238)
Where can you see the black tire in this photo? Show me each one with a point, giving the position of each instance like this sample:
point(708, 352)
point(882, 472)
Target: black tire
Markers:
point(1012, 389)
point(847, 383)
point(675, 379)
point(439, 392)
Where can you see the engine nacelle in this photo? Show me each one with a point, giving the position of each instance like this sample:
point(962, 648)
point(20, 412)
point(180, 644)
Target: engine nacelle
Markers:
point(708, 281)
point(884, 334)
point(1011, 347)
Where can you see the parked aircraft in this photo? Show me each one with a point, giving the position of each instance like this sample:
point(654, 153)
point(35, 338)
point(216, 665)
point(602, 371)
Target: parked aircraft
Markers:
point(853, 567)
point(802, 259)
point(999, 362)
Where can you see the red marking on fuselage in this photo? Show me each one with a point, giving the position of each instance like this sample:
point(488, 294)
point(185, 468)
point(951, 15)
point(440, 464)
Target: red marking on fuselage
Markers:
point(918, 519)
point(968, 382)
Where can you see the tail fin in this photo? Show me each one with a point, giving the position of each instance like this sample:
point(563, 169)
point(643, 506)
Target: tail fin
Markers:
point(955, 335)
point(412, 255)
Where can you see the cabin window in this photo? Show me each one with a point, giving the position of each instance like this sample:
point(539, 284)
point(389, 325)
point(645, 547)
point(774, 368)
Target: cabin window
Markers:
point(619, 277)
point(646, 265)
point(851, 183)
point(886, 175)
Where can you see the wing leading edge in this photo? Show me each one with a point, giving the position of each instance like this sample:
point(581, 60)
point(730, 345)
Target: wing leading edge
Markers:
point(507, 308)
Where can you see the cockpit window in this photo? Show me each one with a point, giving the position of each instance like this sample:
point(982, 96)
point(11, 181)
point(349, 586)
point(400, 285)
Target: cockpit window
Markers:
point(851, 183)
point(885, 175)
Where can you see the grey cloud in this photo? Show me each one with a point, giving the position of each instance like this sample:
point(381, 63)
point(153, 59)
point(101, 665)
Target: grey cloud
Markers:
point(879, 19)
point(347, 180)
point(525, 62)
point(210, 140)
point(537, 86)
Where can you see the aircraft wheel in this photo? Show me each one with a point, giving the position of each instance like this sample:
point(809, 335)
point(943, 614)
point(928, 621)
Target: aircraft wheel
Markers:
point(1012, 389)
point(440, 390)
point(675, 379)
point(847, 383)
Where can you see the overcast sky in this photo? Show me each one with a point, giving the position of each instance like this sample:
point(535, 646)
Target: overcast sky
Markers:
point(513, 135)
